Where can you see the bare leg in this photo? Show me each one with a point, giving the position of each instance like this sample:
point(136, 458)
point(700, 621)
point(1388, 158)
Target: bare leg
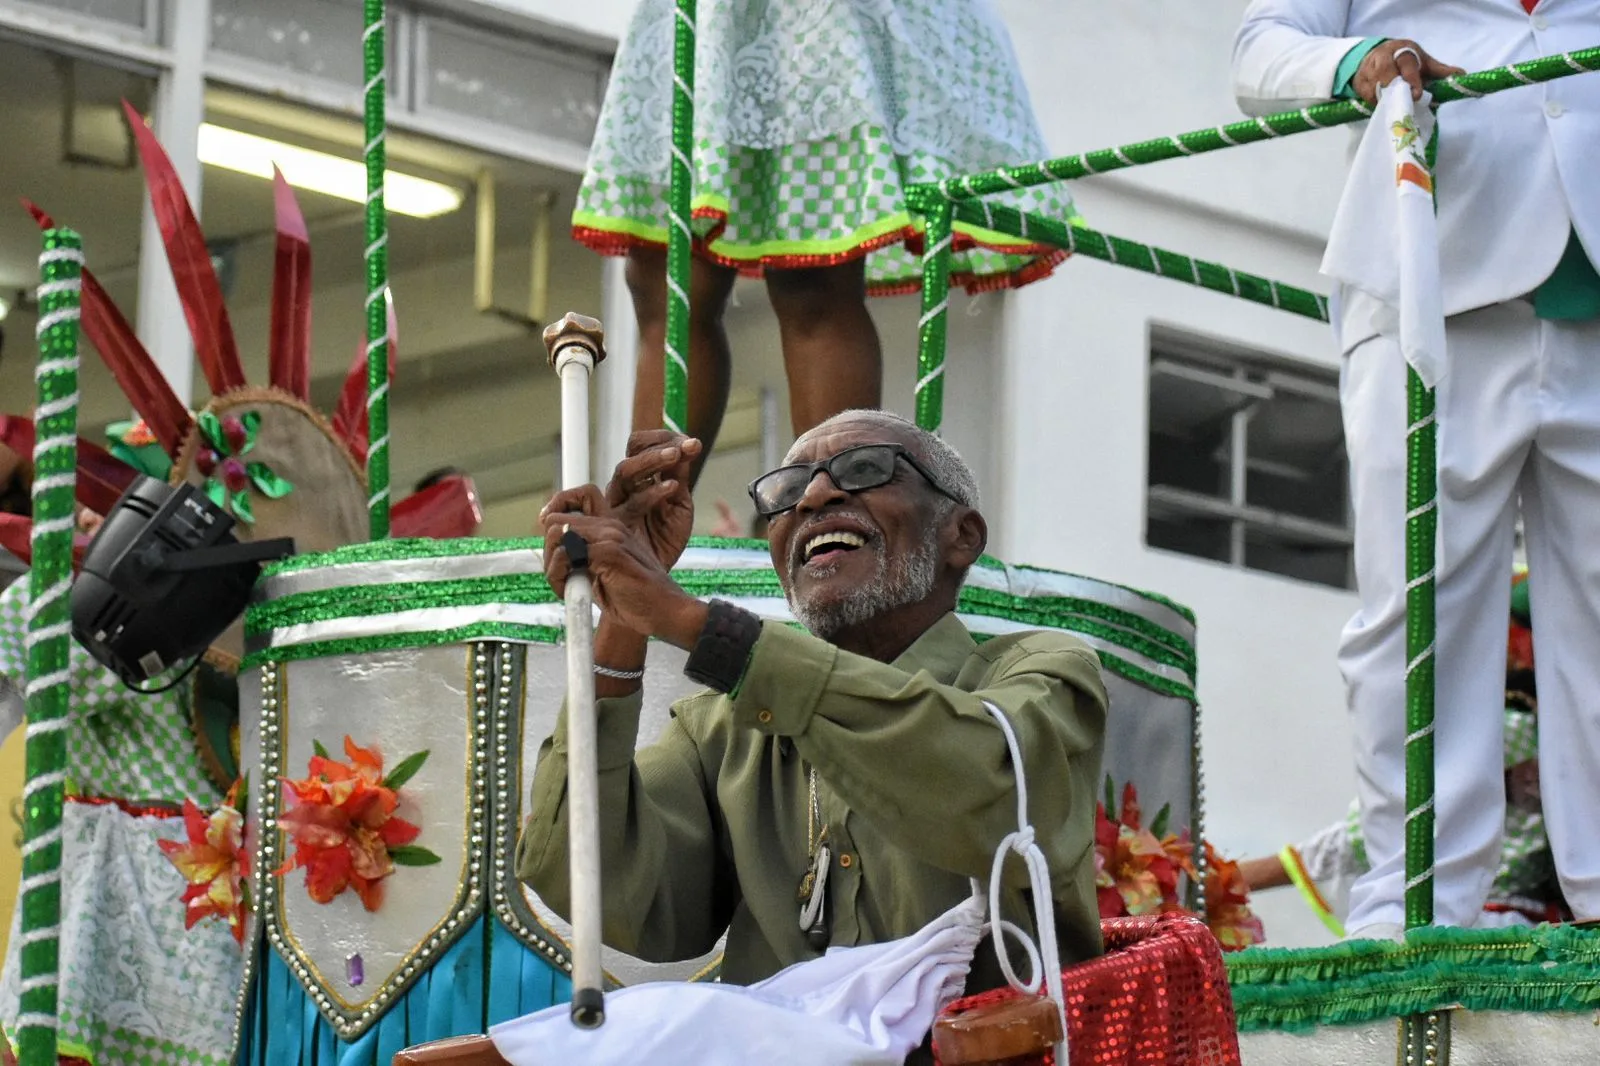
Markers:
point(709, 286)
point(830, 344)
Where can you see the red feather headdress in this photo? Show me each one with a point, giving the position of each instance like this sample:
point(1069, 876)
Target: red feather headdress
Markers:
point(288, 442)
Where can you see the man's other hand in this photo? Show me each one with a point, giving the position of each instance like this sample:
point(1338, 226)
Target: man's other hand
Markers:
point(649, 491)
point(1398, 59)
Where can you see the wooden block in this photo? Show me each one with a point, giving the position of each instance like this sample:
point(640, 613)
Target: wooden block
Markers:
point(998, 1032)
point(456, 1051)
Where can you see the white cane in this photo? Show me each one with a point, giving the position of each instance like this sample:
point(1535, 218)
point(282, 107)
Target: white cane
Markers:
point(576, 345)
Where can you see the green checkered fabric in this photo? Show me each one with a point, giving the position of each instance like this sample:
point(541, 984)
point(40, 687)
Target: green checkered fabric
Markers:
point(112, 1046)
point(121, 744)
point(810, 120)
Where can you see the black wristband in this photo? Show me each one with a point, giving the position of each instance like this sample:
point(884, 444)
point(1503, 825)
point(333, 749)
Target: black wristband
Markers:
point(720, 656)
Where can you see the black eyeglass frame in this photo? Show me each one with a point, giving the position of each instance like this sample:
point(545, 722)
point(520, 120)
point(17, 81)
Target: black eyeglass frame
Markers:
point(811, 469)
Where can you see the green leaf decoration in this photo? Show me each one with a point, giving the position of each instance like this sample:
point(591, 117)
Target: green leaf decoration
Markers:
point(405, 771)
point(318, 750)
point(268, 483)
point(251, 420)
point(211, 429)
point(1111, 799)
point(217, 492)
point(411, 855)
point(242, 507)
point(1158, 828)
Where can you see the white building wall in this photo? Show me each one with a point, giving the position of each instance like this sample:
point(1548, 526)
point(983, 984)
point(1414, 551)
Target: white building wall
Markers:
point(1048, 386)
point(1275, 732)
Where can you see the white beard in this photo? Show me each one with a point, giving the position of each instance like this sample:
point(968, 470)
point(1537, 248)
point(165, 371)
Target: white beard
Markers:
point(911, 581)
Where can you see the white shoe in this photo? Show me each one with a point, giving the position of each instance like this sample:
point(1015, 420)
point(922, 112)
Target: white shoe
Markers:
point(1379, 931)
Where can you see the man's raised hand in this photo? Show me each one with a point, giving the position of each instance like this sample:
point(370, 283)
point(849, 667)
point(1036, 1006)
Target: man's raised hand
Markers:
point(649, 491)
point(1398, 59)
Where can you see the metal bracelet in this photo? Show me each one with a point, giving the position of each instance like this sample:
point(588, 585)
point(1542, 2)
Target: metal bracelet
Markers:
point(620, 675)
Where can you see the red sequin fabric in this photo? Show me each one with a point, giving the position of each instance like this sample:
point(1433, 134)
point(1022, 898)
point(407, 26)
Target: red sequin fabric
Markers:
point(1157, 997)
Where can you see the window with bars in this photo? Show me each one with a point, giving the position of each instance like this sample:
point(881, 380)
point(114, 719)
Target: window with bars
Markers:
point(1247, 461)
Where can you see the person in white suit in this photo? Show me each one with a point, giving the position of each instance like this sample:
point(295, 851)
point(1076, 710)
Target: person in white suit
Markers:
point(1519, 417)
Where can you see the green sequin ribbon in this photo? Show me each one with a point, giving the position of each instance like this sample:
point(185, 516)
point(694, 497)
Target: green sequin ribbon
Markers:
point(49, 626)
point(934, 323)
point(1129, 644)
point(1248, 131)
point(680, 243)
point(377, 265)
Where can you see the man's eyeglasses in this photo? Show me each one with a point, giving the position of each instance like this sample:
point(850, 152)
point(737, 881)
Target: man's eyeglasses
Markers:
point(866, 466)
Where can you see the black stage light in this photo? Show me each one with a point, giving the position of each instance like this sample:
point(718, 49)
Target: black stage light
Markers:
point(162, 579)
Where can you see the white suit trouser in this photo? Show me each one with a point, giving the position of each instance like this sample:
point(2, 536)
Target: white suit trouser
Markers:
point(1519, 416)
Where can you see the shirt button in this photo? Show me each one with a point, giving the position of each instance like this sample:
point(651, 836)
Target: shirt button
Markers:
point(764, 717)
point(1540, 22)
point(1554, 109)
point(845, 860)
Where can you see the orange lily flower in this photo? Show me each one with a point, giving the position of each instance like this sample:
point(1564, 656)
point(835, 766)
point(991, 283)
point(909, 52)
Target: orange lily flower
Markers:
point(341, 820)
point(211, 860)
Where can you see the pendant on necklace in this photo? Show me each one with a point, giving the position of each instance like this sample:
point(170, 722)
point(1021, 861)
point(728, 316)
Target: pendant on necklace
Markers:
point(813, 898)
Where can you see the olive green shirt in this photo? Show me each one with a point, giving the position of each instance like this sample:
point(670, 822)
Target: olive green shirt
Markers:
point(706, 830)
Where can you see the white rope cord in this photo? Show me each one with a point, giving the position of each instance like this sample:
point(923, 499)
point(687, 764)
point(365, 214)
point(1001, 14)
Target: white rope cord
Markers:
point(1045, 959)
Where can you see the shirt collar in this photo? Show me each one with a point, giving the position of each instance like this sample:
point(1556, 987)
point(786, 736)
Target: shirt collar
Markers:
point(942, 650)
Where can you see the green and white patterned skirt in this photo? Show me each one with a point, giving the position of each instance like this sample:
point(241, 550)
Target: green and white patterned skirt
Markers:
point(811, 118)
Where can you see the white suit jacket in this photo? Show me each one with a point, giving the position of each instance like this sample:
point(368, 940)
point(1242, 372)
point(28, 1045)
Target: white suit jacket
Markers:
point(1517, 171)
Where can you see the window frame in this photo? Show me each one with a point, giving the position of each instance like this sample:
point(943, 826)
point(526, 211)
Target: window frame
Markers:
point(1255, 377)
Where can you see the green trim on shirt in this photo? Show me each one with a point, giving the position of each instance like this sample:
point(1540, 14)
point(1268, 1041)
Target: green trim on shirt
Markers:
point(1572, 291)
point(1345, 72)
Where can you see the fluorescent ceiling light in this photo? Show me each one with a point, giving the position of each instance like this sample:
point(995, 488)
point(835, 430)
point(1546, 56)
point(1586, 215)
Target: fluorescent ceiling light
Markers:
point(320, 172)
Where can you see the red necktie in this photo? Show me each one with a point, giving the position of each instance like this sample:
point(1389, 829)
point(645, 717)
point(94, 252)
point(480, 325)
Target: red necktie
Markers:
point(1529, 5)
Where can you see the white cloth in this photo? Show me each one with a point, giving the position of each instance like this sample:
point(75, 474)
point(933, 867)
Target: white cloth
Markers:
point(1519, 414)
point(857, 1006)
point(131, 976)
point(1385, 239)
point(1515, 170)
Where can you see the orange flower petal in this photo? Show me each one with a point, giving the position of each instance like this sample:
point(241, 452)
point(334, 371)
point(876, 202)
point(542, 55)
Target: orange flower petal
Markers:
point(369, 857)
point(327, 873)
point(371, 892)
point(366, 762)
point(398, 831)
point(194, 821)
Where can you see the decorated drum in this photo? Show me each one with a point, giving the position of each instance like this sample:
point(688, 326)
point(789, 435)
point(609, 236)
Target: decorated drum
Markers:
point(397, 693)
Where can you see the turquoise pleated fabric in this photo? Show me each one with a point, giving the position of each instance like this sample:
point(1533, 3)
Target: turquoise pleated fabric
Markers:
point(486, 977)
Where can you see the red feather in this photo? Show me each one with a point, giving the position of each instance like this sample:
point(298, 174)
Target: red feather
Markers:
point(44, 220)
point(16, 433)
point(350, 417)
point(136, 373)
point(447, 509)
point(141, 380)
point(16, 537)
point(290, 360)
point(196, 279)
point(102, 477)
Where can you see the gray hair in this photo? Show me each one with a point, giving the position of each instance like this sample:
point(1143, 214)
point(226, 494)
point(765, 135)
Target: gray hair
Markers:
point(943, 462)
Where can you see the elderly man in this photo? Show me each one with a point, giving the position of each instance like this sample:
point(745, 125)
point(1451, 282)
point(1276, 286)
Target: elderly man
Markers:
point(1519, 416)
point(860, 749)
